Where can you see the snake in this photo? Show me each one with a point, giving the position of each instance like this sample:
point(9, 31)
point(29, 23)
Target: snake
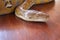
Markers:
point(22, 9)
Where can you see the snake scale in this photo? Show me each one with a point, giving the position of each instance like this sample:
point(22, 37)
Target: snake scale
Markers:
point(21, 8)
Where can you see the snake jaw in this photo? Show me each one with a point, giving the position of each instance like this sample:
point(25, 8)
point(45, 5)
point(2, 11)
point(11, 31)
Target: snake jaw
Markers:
point(33, 15)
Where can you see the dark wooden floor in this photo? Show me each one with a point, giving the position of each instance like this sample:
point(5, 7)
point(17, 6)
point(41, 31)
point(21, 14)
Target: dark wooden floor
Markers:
point(13, 28)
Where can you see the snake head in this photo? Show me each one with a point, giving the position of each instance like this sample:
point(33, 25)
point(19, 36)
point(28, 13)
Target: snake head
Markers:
point(8, 3)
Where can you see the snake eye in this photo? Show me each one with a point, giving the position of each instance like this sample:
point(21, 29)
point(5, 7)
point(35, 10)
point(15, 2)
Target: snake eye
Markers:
point(8, 3)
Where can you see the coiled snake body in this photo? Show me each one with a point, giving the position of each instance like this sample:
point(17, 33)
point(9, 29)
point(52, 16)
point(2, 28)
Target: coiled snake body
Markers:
point(7, 6)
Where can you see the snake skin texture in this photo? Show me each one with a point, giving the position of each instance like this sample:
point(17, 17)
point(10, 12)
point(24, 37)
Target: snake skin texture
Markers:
point(21, 11)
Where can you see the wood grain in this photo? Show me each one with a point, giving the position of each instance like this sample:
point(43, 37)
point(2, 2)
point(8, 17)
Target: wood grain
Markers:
point(14, 28)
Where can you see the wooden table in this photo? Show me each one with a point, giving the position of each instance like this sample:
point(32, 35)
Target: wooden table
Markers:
point(13, 28)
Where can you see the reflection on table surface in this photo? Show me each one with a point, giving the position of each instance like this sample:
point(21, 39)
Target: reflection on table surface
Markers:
point(14, 28)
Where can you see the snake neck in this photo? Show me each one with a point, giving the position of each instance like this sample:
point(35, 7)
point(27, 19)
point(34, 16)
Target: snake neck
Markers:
point(27, 4)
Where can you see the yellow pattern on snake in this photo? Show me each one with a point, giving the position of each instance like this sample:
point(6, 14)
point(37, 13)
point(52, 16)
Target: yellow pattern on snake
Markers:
point(22, 6)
